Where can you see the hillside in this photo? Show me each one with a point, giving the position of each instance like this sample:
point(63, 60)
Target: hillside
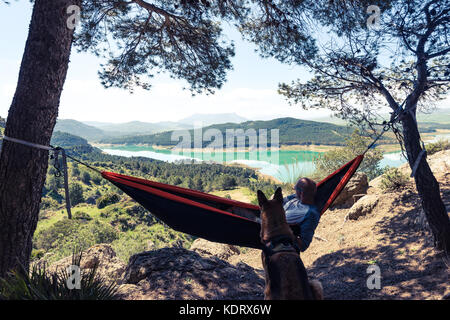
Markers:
point(291, 131)
point(102, 213)
point(392, 235)
point(78, 128)
point(137, 127)
point(209, 119)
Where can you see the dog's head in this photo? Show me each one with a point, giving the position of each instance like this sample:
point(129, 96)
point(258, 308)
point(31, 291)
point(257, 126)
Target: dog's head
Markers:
point(273, 218)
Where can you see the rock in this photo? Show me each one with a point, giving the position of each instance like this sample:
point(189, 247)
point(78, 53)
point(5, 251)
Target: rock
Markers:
point(363, 206)
point(220, 250)
point(177, 273)
point(357, 185)
point(110, 267)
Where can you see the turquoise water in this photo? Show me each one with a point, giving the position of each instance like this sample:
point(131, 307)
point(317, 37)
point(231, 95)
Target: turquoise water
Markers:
point(284, 165)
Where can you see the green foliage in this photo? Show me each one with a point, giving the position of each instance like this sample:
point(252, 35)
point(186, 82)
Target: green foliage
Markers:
point(145, 238)
point(107, 200)
point(39, 284)
point(62, 237)
point(225, 182)
point(392, 179)
point(37, 254)
point(47, 203)
point(81, 215)
point(356, 144)
point(437, 146)
point(86, 177)
point(76, 193)
point(291, 131)
point(182, 38)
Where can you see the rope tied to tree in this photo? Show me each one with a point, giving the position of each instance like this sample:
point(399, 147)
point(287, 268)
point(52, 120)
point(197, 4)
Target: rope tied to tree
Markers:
point(60, 165)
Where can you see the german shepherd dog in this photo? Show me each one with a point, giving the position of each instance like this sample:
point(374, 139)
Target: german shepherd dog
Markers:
point(286, 277)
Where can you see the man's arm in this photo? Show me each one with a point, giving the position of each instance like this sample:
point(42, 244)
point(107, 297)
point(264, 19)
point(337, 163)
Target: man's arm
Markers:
point(307, 228)
point(288, 198)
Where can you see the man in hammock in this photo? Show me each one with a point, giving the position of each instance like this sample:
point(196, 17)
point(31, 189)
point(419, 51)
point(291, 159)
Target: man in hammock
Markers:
point(301, 211)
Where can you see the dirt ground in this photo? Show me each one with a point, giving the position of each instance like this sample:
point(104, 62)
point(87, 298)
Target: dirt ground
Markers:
point(393, 237)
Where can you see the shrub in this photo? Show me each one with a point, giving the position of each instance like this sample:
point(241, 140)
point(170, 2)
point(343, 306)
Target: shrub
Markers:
point(86, 177)
point(60, 239)
point(97, 179)
point(354, 145)
point(393, 179)
point(39, 284)
point(107, 199)
point(437, 146)
point(47, 203)
point(225, 182)
point(76, 194)
point(81, 215)
point(37, 254)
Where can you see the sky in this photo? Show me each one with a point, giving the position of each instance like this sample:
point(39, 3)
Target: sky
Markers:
point(250, 90)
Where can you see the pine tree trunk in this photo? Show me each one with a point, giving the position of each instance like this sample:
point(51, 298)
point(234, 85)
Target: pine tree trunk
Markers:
point(427, 186)
point(32, 117)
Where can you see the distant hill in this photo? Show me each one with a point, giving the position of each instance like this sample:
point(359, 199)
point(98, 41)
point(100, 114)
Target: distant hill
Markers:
point(425, 121)
point(291, 131)
point(79, 129)
point(210, 119)
point(136, 127)
point(439, 116)
point(72, 143)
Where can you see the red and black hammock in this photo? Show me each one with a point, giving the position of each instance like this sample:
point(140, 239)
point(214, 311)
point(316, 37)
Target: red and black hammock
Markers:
point(214, 218)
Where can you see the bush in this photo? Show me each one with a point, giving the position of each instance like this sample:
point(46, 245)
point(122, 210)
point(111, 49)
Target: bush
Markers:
point(39, 284)
point(76, 194)
point(437, 146)
point(62, 237)
point(81, 215)
point(37, 254)
point(225, 182)
point(107, 200)
point(393, 179)
point(47, 203)
point(354, 146)
point(86, 177)
point(96, 179)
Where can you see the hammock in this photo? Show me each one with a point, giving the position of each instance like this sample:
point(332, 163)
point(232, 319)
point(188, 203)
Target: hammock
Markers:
point(214, 218)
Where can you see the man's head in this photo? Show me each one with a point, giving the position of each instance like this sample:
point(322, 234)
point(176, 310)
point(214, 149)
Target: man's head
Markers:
point(305, 189)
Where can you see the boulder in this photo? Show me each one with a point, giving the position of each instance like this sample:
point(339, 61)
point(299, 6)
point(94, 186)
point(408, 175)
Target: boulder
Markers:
point(220, 250)
point(363, 206)
point(177, 273)
point(110, 267)
point(357, 185)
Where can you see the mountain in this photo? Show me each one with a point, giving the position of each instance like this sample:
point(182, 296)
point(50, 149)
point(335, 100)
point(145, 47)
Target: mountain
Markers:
point(291, 131)
point(136, 127)
point(78, 128)
point(209, 119)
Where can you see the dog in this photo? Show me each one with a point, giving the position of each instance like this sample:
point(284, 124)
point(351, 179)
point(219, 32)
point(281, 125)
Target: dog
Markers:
point(285, 274)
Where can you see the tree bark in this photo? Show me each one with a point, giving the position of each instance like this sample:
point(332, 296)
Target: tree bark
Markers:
point(427, 185)
point(32, 117)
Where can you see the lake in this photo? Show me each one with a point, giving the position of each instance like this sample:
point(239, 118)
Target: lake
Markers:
point(285, 165)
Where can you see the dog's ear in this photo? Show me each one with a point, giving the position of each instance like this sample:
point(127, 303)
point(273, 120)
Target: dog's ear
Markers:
point(261, 198)
point(278, 195)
